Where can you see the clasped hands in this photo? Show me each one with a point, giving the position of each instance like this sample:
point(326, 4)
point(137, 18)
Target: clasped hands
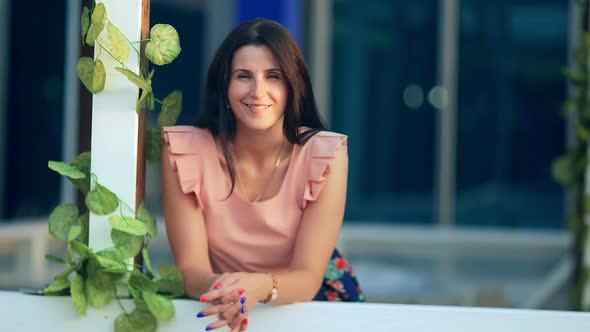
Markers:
point(231, 297)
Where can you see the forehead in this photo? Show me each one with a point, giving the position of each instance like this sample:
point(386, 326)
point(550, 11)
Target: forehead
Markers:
point(254, 57)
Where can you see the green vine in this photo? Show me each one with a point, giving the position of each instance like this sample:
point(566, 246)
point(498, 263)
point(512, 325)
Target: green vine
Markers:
point(92, 277)
point(569, 169)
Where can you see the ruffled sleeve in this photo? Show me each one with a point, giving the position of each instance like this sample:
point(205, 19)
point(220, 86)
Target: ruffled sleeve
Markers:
point(322, 152)
point(183, 145)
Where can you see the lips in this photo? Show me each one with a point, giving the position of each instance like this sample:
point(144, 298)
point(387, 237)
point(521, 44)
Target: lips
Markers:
point(257, 107)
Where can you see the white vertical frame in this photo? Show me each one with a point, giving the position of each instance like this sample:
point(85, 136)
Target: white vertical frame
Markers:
point(71, 95)
point(115, 123)
point(321, 54)
point(446, 136)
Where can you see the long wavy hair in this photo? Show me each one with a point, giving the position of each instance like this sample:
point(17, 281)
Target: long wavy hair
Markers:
point(301, 109)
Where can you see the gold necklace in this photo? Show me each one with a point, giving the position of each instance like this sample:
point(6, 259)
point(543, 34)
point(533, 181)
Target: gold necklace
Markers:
point(277, 162)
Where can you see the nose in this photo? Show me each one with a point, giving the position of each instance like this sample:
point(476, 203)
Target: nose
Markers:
point(257, 88)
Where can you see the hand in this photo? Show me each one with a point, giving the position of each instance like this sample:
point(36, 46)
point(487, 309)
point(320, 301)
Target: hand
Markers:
point(233, 296)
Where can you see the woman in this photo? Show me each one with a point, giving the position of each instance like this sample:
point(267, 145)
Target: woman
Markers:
point(254, 194)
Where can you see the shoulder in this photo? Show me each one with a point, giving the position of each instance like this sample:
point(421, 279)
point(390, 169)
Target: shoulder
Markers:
point(185, 139)
point(325, 144)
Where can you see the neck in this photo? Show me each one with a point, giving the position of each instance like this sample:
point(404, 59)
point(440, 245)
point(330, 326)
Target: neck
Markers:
point(258, 146)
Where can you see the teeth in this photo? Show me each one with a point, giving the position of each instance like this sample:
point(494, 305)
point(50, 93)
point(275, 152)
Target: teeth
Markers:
point(257, 107)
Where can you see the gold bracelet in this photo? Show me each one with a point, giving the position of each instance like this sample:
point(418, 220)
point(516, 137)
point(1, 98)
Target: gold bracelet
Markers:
point(274, 293)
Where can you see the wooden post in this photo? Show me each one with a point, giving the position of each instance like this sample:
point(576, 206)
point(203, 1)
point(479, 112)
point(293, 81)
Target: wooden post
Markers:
point(118, 132)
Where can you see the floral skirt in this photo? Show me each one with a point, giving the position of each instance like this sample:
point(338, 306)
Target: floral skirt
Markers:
point(340, 283)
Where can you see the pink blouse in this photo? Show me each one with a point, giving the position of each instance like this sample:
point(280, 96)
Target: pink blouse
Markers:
point(249, 236)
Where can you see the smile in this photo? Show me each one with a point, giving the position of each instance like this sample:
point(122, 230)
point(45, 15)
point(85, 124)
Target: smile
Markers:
point(257, 106)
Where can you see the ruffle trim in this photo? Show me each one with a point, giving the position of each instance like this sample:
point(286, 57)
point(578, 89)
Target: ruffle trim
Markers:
point(322, 153)
point(183, 156)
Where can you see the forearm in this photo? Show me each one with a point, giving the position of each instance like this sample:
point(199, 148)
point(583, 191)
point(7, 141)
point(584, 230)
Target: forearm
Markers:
point(197, 281)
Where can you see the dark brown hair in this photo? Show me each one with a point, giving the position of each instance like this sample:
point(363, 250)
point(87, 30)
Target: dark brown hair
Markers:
point(301, 109)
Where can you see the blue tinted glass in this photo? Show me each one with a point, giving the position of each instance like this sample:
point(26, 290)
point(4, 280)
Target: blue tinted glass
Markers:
point(509, 127)
point(383, 65)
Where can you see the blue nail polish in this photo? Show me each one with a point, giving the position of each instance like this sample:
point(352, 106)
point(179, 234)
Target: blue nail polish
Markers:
point(208, 328)
point(243, 309)
point(243, 300)
point(200, 314)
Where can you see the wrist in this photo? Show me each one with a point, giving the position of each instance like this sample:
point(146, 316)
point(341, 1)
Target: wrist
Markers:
point(272, 289)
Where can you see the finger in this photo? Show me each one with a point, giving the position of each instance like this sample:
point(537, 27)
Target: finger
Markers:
point(234, 296)
point(218, 294)
point(216, 324)
point(244, 325)
point(242, 314)
point(213, 310)
point(232, 311)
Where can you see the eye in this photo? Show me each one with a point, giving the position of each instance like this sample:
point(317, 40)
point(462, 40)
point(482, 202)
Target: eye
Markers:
point(274, 76)
point(242, 76)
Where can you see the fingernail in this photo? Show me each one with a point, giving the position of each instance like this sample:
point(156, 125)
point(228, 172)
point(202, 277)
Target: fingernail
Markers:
point(203, 299)
point(208, 328)
point(218, 285)
point(243, 309)
point(243, 300)
point(245, 321)
point(200, 314)
point(241, 291)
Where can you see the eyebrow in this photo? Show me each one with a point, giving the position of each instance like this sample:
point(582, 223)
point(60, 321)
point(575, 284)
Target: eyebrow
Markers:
point(249, 71)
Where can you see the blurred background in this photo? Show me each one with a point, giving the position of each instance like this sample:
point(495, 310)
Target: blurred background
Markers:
point(452, 108)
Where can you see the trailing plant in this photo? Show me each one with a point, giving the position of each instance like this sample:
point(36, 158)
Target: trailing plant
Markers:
point(93, 277)
point(570, 169)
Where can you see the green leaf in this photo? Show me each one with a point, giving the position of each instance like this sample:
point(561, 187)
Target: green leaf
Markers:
point(148, 261)
point(562, 170)
point(117, 43)
point(92, 74)
point(82, 163)
point(137, 321)
point(138, 299)
point(81, 249)
point(151, 102)
point(61, 220)
point(99, 289)
point(169, 271)
point(66, 273)
point(111, 261)
point(141, 282)
point(75, 230)
point(144, 215)
point(151, 74)
point(97, 22)
point(577, 77)
point(56, 286)
point(65, 169)
point(143, 100)
point(101, 201)
point(164, 44)
point(170, 281)
point(154, 144)
point(159, 305)
point(128, 245)
point(128, 225)
point(568, 107)
point(84, 23)
point(55, 259)
point(135, 79)
point(77, 291)
point(171, 108)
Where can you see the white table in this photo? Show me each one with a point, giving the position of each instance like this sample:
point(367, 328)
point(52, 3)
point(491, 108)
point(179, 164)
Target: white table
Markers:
point(21, 312)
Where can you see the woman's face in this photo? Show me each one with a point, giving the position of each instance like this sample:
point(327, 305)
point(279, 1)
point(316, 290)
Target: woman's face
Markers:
point(257, 88)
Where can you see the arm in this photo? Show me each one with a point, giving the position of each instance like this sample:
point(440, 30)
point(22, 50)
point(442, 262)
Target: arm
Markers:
point(187, 235)
point(317, 238)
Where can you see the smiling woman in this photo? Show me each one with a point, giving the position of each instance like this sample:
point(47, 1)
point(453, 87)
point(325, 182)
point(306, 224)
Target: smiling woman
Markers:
point(254, 193)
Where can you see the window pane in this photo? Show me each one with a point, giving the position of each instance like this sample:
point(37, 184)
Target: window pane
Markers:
point(509, 127)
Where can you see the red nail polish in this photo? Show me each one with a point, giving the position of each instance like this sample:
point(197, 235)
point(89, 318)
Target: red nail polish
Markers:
point(218, 285)
point(245, 321)
point(203, 299)
point(241, 291)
